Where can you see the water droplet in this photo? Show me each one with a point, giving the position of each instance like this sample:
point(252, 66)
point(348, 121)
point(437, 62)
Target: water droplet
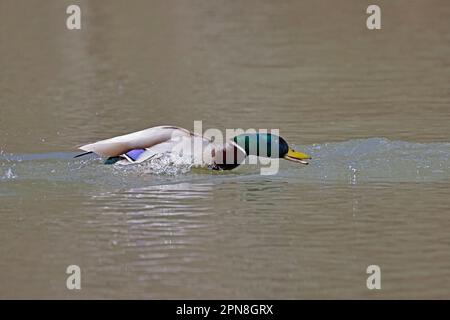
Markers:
point(9, 175)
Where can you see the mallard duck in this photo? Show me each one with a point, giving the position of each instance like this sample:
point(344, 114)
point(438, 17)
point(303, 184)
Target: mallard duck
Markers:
point(143, 145)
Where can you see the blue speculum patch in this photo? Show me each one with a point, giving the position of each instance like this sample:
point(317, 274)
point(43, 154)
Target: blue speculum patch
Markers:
point(134, 154)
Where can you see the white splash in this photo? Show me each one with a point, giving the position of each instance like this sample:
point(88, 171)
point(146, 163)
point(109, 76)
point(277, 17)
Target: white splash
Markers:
point(9, 175)
point(163, 164)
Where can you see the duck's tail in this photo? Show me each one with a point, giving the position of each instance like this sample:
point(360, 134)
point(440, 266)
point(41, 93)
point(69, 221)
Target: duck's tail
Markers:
point(83, 154)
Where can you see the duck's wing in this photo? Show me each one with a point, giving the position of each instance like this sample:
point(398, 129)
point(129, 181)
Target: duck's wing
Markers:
point(143, 139)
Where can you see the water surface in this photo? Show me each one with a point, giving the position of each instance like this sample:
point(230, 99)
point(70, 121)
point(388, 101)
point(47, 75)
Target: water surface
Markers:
point(371, 107)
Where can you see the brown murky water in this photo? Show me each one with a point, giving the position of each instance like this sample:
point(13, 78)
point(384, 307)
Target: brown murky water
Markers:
point(372, 107)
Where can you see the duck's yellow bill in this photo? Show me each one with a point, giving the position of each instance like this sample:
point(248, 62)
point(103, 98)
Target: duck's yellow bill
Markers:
point(297, 156)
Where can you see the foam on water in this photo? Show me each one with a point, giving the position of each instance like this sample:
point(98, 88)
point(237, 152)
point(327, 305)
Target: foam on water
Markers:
point(168, 164)
point(379, 159)
point(353, 161)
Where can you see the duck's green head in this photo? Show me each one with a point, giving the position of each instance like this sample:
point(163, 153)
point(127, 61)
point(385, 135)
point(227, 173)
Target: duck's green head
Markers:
point(269, 145)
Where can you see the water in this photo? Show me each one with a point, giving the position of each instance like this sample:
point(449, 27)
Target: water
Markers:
point(372, 108)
